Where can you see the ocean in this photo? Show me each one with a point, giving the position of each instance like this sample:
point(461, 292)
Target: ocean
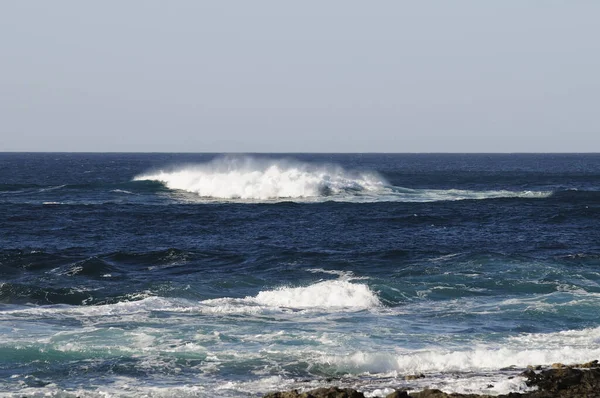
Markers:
point(214, 275)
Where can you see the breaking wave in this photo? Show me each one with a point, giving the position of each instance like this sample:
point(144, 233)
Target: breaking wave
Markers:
point(328, 296)
point(254, 179)
point(570, 346)
point(334, 295)
point(251, 178)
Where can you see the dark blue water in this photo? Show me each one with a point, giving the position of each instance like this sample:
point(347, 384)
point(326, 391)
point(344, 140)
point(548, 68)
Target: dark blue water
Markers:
point(212, 275)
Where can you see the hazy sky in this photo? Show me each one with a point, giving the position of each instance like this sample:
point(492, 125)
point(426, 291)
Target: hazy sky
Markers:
point(283, 76)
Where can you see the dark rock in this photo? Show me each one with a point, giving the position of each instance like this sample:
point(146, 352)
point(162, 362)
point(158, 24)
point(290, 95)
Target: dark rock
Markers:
point(566, 382)
point(591, 364)
point(398, 394)
point(528, 373)
point(414, 377)
point(429, 393)
point(555, 379)
point(574, 381)
point(325, 392)
point(434, 393)
point(283, 394)
point(534, 367)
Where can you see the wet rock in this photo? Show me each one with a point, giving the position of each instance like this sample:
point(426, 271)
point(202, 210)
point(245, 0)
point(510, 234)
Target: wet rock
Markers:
point(434, 393)
point(573, 381)
point(534, 367)
point(325, 392)
point(567, 382)
point(414, 377)
point(429, 393)
point(591, 364)
point(283, 394)
point(528, 373)
point(398, 394)
point(557, 378)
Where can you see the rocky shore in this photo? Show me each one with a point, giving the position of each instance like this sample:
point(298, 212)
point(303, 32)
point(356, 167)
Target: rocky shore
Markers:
point(562, 381)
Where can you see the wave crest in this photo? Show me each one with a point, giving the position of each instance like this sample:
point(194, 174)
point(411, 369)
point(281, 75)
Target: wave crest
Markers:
point(328, 296)
point(251, 178)
point(256, 179)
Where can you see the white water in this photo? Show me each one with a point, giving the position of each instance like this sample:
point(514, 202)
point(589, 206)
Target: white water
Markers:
point(250, 178)
point(253, 179)
point(306, 327)
point(326, 296)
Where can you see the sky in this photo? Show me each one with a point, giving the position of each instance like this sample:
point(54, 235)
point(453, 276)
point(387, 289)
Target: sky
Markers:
point(301, 76)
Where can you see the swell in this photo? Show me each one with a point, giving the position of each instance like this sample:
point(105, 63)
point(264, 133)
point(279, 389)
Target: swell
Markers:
point(396, 277)
point(255, 179)
point(69, 277)
point(570, 195)
point(19, 293)
point(106, 187)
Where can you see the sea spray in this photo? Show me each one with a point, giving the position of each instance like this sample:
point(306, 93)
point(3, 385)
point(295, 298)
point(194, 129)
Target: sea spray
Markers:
point(329, 296)
point(254, 178)
point(248, 178)
point(326, 295)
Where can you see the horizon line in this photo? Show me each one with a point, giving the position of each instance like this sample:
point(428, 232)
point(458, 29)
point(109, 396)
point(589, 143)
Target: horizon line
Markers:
point(305, 153)
point(314, 152)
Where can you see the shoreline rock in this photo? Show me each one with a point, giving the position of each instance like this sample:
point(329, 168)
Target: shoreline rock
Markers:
point(559, 380)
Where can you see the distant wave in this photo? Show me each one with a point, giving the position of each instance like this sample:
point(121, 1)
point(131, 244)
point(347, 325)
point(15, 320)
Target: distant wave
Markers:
point(52, 188)
point(254, 179)
point(262, 179)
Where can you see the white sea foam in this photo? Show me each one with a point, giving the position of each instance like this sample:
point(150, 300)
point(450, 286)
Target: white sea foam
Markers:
point(118, 309)
point(264, 346)
point(326, 295)
point(54, 188)
point(343, 275)
point(120, 387)
point(334, 295)
point(250, 178)
point(253, 179)
point(492, 384)
point(573, 346)
point(433, 195)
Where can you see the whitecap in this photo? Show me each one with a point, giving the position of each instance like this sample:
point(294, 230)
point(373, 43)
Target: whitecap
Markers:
point(261, 179)
point(252, 179)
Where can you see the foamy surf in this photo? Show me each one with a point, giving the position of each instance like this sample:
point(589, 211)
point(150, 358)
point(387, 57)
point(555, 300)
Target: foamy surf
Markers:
point(262, 179)
point(481, 359)
point(325, 296)
point(224, 334)
point(250, 179)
